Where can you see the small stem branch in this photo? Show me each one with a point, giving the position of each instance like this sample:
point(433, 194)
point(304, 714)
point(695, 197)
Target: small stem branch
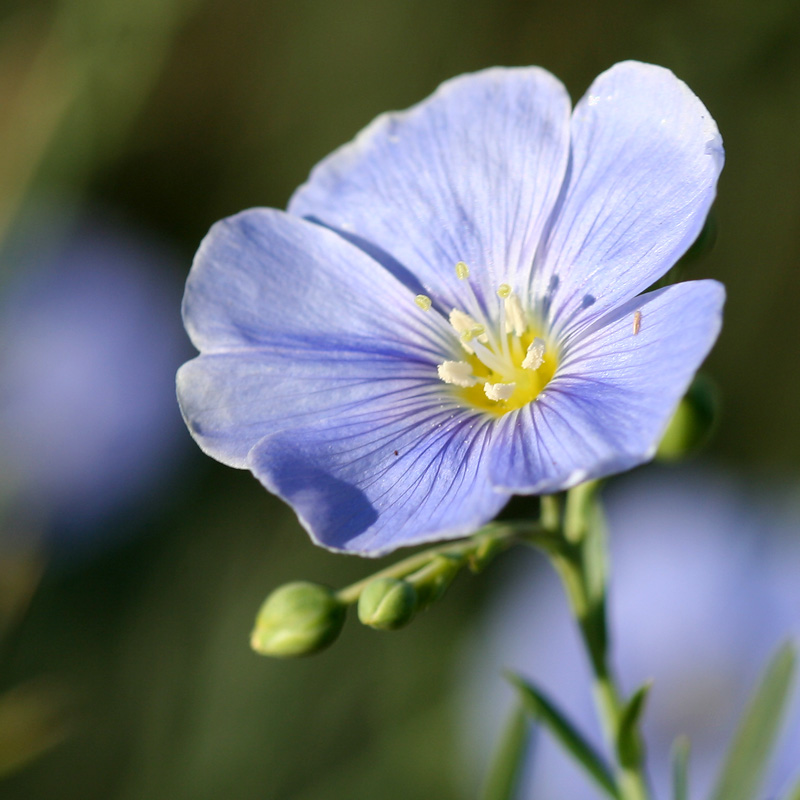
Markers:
point(488, 542)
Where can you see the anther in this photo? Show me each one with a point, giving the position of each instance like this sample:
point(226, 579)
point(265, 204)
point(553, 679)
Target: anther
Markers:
point(515, 315)
point(503, 290)
point(423, 301)
point(457, 373)
point(462, 271)
point(534, 357)
point(461, 322)
point(499, 391)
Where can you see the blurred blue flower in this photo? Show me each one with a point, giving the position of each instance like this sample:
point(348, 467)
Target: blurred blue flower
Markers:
point(449, 313)
point(704, 590)
point(88, 346)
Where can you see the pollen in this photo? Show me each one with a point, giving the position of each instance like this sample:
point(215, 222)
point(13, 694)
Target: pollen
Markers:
point(457, 373)
point(534, 356)
point(499, 391)
point(507, 358)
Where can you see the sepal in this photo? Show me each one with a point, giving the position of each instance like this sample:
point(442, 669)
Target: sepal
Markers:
point(692, 423)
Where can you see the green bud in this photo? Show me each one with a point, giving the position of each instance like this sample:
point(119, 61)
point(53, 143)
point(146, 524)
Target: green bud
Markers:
point(488, 547)
point(433, 580)
point(692, 423)
point(297, 619)
point(387, 603)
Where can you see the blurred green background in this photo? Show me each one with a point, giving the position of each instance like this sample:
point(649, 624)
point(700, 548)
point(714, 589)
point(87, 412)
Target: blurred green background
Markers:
point(169, 114)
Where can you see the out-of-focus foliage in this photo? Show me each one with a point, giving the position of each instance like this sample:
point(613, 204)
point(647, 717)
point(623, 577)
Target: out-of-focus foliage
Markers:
point(172, 113)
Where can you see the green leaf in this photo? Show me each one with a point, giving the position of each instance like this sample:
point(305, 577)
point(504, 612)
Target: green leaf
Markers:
point(629, 741)
point(566, 733)
point(751, 747)
point(680, 768)
point(503, 778)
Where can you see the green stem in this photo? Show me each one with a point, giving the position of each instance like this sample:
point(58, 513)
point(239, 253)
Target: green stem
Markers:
point(475, 551)
point(588, 603)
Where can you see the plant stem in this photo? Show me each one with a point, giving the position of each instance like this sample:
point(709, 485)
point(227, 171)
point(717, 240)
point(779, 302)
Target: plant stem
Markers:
point(475, 551)
point(585, 587)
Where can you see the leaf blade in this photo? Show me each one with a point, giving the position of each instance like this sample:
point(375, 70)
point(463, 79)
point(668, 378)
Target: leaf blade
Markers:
point(503, 778)
point(629, 742)
point(680, 768)
point(567, 735)
point(753, 741)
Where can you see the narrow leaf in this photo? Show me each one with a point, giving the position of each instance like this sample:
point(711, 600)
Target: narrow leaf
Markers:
point(680, 768)
point(752, 745)
point(629, 741)
point(503, 778)
point(566, 733)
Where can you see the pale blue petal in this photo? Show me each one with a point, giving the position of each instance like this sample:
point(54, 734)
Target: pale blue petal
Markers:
point(397, 474)
point(265, 278)
point(296, 326)
point(644, 164)
point(230, 401)
point(613, 394)
point(470, 174)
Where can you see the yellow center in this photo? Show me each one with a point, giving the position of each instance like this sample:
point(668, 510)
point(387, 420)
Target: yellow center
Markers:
point(505, 363)
point(528, 383)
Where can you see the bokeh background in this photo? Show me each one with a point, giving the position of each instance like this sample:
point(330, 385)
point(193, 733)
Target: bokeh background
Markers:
point(132, 566)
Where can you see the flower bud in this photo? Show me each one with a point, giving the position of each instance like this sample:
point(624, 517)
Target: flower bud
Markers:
point(692, 423)
point(387, 603)
point(297, 619)
point(433, 580)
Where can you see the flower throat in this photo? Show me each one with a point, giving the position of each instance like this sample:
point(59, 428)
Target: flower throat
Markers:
point(502, 369)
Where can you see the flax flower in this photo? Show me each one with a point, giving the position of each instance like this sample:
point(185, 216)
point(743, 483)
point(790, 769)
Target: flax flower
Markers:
point(450, 311)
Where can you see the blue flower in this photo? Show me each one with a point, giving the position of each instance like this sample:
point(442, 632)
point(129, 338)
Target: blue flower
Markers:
point(88, 429)
point(450, 311)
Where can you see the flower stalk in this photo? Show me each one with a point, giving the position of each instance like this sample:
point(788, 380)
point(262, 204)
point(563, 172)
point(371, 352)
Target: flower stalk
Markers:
point(475, 552)
point(577, 552)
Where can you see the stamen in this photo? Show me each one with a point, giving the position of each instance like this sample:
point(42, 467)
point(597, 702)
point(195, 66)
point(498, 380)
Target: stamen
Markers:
point(499, 391)
point(515, 314)
point(468, 328)
point(423, 301)
point(489, 359)
point(503, 291)
point(462, 271)
point(534, 357)
point(461, 322)
point(457, 373)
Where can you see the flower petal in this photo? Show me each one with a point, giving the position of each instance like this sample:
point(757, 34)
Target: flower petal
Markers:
point(645, 159)
point(402, 472)
point(264, 278)
point(230, 401)
point(613, 394)
point(297, 326)
point(470, 174)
